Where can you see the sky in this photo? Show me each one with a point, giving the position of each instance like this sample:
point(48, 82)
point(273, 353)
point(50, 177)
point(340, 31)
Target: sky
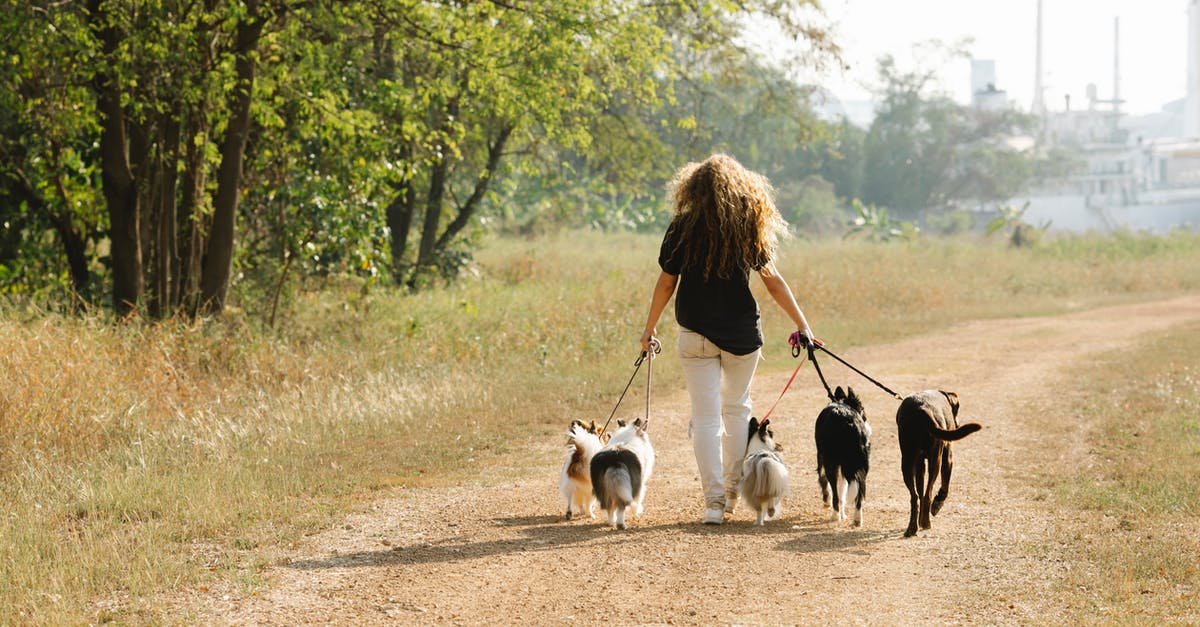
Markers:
point(1077, 46)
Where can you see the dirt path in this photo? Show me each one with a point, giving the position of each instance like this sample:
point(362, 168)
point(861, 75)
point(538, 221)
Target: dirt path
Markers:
point(500, 554)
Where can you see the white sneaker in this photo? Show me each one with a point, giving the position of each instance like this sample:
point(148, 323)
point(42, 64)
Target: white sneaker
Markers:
point(714, 516)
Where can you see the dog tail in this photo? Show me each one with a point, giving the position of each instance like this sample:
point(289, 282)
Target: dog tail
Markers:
point(616, 477)
point(768, 479)
point(955, 434)
point(616, 488)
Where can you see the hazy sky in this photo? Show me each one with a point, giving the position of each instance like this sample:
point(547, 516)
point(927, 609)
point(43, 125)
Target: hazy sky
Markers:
point(1077, 45)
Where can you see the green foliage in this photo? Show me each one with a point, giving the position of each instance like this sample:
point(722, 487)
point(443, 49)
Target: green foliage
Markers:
point(874, 224)
point(925, 151)
point(811, 205)
point(1012, 221)
point(380, 134)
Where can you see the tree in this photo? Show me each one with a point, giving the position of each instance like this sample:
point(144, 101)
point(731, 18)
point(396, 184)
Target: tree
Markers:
point(924, 151)
point(186, 143)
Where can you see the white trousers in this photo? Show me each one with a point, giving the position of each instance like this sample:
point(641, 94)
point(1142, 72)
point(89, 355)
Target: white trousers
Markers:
point(718, 383)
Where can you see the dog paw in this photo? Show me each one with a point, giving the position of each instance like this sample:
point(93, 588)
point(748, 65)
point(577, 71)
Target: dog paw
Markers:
point(910, 532)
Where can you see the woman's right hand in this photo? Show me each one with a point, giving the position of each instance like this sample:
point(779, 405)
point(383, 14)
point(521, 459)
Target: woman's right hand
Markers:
point(648, 335)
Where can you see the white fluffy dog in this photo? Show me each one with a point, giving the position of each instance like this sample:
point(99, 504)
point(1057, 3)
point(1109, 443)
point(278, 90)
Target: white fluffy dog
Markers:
point(764, 477)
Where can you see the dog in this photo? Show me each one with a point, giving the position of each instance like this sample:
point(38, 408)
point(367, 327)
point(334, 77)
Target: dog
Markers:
point(575, 481)
point(764, 477)
point(843, 438)
point(621, 470)
point(926, 423)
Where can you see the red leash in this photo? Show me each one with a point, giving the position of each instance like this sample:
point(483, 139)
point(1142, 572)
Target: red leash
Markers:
point(785, 389)
point(796, 341)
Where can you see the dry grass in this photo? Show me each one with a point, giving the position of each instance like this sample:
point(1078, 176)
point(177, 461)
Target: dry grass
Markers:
point(1133, 509)
point(137, 459)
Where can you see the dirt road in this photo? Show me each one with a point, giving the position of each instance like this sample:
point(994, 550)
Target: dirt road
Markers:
point(499, 553)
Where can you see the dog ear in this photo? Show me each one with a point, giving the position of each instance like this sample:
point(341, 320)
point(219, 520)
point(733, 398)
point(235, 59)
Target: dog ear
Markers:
point(638, 423)
point(753, 426)
point(620, 423)
point(838, 394)
point(575, 423)
point(762, 426)
point(952, 398)
point(853, 400)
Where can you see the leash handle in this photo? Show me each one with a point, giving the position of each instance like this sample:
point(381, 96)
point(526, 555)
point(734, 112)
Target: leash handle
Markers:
point(799, 341)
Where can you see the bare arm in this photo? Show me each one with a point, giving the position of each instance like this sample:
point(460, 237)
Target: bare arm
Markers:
point(778, 288)
point(663, 290)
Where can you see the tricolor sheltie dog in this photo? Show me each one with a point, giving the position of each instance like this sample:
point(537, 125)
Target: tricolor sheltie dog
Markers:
point(764, 477)
point(843, 453)
point(583, 441)
point(620, 472)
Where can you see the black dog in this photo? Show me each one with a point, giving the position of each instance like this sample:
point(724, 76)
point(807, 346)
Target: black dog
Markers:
point(843, 453)
point(926, 423)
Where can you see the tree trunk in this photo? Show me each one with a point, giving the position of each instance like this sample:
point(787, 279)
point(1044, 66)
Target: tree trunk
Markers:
point(433, 214)
point(120, 188)
point(190, 228)
point(399, 221)
point(467, 210)
point(74, 243)
point(218, 260)
point(437, 193)
point(165, 242)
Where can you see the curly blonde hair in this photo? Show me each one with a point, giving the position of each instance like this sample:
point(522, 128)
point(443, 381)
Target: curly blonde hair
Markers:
point(725, 215)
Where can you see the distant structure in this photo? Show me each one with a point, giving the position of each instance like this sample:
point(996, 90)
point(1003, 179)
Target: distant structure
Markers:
point(1191, 107)
point(984, 94)
point(1039, 90)
point(1132, 172)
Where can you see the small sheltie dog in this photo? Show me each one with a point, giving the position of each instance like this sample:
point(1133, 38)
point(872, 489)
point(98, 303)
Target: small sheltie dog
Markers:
point(764, 477)
point(621, 470)
point(575, 481)
point(843, 453)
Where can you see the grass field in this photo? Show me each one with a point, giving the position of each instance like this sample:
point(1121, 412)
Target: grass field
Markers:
point(141, 459)
point(1132, 523)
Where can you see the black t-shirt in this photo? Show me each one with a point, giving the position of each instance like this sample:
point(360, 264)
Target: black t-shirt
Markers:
point(721, 309)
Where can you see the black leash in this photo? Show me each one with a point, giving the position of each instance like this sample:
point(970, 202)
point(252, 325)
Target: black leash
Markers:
point(656, 348)
point(812, 356)
point(815, 344)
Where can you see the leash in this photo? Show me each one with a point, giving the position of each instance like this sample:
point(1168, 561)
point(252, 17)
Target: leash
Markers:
point(785, 389)
point(656, 348)
point(815, 344)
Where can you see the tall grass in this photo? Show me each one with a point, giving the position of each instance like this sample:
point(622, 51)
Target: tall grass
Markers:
point(136, 459)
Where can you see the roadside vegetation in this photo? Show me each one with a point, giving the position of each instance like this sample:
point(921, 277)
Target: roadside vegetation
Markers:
point(137, 459)
point(1127, 506)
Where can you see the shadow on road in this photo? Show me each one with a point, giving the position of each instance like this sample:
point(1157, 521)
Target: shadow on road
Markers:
point(540, 533)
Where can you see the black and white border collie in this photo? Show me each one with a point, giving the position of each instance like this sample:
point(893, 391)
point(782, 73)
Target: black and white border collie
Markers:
point(843, 453)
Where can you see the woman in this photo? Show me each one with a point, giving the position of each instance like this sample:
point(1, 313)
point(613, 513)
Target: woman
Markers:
point(725, 227)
